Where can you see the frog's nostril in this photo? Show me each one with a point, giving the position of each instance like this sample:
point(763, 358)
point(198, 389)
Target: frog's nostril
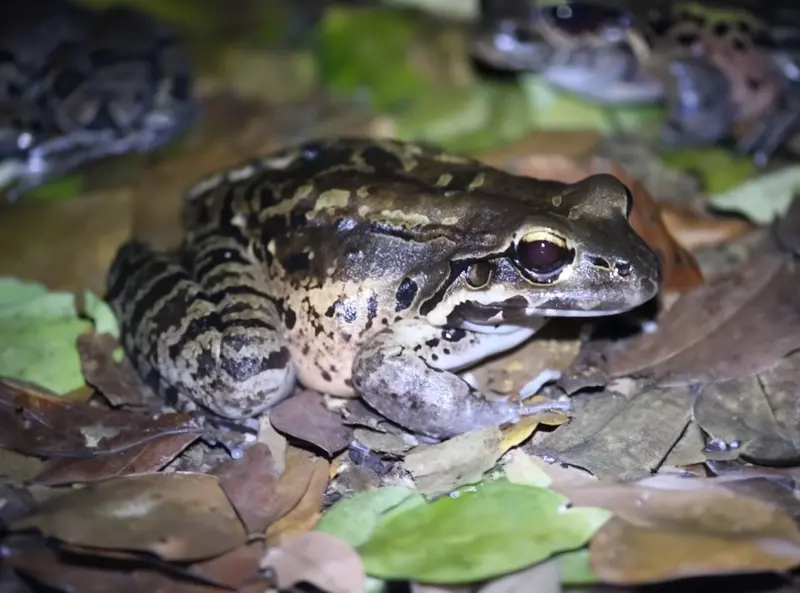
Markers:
point(598, 262)
point(623, 268)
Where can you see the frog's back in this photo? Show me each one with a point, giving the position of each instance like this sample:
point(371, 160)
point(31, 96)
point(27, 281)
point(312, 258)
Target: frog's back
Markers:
point(413, 187)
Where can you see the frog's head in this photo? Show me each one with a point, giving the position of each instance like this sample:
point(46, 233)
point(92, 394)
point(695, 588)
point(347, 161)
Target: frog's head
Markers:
point(574, 256)
point(581, 46)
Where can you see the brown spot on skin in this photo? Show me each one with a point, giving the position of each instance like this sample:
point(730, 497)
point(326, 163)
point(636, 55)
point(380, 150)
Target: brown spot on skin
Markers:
point(306, 350)
point(326, 376)
point(330, 311)
point(348, 382)
point(432, 343)
point(434, 357)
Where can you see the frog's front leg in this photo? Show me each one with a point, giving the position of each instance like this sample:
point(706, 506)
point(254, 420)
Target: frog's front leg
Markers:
point(404, 373)
point(207, 332)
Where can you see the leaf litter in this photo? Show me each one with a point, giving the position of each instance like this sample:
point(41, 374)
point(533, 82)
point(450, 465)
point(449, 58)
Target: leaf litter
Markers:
point(351, 499)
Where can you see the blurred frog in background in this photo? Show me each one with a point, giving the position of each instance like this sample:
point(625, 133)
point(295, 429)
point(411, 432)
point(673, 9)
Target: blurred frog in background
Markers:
point(721, 70)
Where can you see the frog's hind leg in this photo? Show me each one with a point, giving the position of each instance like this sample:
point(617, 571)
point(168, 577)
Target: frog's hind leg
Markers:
point(404, 373)
point(208, 333)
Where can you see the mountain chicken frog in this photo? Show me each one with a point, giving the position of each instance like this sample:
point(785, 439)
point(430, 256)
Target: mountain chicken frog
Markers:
point(372, 268)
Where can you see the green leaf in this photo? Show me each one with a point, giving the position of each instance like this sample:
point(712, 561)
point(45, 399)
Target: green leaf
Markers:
point(63, 187)
point(719, 169)
point(367, 50)
point(553, 109)
point(576, 569)
point(353, 519)
point(764, 198)
point(495, 529)
point(38, 330)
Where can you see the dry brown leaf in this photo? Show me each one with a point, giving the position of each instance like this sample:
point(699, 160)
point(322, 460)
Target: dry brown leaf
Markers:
point(317, 558)
point(118, 382)
point(305, 417)
point(441, 468)
point(737, 326)
point(66, 572)
point(33, 421)
point(139, 459)
point(695, 230)
point(679, 268)
point(250, 484)
point(660, 534)
point(614, 436)
point(175, 516)
point(235, 569)
point(760, 412)
point(304, 515)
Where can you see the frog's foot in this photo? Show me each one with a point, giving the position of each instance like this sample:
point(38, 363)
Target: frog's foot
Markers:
point(769, 134)
point(209, 334)
point(404, 373)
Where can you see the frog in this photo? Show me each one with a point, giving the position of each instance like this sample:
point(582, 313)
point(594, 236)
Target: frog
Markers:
point(78, 85)
point(373, 268)
point(720, 70)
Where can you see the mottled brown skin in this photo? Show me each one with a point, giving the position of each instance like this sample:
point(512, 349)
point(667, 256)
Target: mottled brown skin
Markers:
point(374, 268)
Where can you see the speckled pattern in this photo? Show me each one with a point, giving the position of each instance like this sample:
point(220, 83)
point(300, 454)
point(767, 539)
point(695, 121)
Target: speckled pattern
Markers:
point(350, 263)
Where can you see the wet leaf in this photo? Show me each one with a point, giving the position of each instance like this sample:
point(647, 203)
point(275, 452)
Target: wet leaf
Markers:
point(305, 417)
point(679, 267)
point(699, 338)
point(36, 423)
point(353, 519)
point(759, 412)
point(320, 559)
point(250, 484)
point(660, 534)
point(618, 437)
point(45, 326)
point(117, 381)
point(143, 458)
point(441, 543)
point(175, 516)
point(444, 467)
point(762, 199)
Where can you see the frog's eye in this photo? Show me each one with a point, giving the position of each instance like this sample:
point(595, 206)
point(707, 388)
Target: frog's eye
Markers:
point(577, 18)
point(543, 252)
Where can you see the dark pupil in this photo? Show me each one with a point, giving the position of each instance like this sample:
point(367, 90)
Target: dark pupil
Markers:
point(583, 17)
point(542, 256)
